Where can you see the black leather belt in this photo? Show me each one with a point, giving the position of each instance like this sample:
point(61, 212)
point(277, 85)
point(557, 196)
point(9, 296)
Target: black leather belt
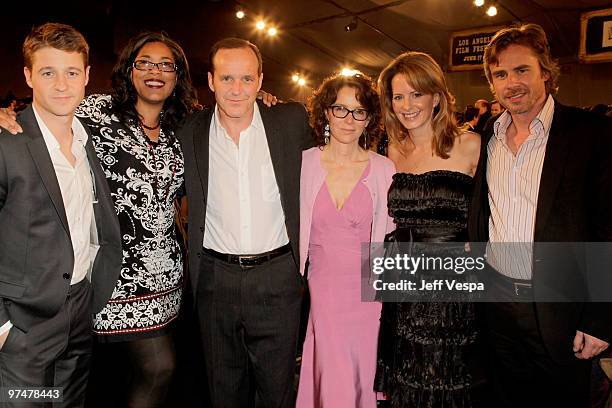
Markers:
point(519, 288)
point(248, 261)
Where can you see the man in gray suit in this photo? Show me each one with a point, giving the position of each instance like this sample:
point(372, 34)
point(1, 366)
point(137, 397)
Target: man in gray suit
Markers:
point(60, 247)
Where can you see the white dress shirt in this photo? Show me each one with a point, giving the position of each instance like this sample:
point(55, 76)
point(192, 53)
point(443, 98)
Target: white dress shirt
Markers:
point(514, 184)
point(244, 214)
point(77, 194)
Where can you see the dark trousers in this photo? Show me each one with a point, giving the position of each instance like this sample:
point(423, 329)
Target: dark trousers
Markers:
point(524, 374)
point(53, 353)
point(249, 323)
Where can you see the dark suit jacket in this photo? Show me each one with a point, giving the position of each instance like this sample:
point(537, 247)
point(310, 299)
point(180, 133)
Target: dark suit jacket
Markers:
point(482, 121)
point(288, 134)
point(574, 205)
point(35, 244)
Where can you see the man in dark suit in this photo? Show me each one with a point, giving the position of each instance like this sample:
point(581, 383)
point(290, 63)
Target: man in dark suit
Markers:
point(242, 171)
point(470, 118)
point(484, 114)
point(60, 247)
point(544, 176)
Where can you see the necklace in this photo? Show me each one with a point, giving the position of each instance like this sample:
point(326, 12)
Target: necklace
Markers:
point(149, 127)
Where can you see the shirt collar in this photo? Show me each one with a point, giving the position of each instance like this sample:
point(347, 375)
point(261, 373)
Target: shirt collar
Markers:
point(540, 125)
point(78, 131)
point(545, 116)
point(256, 122)
point(501, 124)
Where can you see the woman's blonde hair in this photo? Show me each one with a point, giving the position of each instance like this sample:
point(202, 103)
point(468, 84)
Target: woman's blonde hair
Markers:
point(423, 74)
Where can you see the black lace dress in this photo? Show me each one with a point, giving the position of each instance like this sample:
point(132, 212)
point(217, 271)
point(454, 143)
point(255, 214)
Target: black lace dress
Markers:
point(423, 345)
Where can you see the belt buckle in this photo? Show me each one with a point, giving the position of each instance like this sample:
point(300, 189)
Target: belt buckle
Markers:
point(246, 261)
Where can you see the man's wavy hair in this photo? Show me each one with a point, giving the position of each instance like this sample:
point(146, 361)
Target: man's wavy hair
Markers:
point(327, 93)
point(528, 35)
point(180, 103)
point(423, 74)
point(55, 35)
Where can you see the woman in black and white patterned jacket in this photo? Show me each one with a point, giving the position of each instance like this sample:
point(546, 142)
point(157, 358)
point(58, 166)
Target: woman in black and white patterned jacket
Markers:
point(133, 134)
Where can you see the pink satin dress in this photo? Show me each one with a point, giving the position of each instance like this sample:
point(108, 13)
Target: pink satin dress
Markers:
point(339, 355)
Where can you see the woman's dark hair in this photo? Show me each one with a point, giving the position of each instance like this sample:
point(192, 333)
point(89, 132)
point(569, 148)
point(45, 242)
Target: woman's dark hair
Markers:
point(181, 102)
point(327, 94)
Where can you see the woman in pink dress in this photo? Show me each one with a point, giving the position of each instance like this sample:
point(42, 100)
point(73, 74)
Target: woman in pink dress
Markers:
point(343, 204)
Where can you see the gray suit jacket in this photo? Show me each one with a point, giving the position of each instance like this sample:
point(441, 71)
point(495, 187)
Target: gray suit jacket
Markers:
point(36, 256)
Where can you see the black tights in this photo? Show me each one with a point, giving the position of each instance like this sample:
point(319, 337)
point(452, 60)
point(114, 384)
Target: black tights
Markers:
point(153, 362)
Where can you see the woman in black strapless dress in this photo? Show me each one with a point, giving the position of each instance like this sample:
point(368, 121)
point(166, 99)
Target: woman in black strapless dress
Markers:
point(423, 345)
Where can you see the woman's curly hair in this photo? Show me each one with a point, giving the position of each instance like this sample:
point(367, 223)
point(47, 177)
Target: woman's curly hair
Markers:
point(326, 95)
point(181, 102)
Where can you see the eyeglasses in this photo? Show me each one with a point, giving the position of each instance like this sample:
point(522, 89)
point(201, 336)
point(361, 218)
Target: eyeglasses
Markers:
point(341, 112)
point(164, 66)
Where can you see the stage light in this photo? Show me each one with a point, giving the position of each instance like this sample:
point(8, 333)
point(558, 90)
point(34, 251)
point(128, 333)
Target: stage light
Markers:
point(260, 25)
point(301, 82)
point(295, 78)
point(352, 26)
point(479, 3)
point(272, 31)
point(348, 71)
point(492, 11)
point(240, 14)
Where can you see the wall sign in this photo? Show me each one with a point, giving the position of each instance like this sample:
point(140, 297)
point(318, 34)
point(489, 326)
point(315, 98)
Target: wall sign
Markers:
point(596, 36)
point(467, 48)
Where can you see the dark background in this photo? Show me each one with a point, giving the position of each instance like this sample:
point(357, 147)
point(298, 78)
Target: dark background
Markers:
point(311, 39)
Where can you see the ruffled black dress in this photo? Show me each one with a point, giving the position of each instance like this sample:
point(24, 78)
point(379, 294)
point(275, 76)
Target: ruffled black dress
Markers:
point(423, 345)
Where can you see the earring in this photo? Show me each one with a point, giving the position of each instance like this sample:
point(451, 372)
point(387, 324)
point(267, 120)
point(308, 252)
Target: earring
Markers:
point(365, 139)
point(326, 133)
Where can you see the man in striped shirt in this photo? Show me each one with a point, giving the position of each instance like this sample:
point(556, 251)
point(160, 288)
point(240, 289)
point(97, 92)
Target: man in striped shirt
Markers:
point(543, 176)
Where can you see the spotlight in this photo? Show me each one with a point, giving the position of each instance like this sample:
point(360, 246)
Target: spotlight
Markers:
point(272, 31)
point(301, 82)
point(348, 72)
point(492, 11)
point(352, 26)
point(240, 14)
point(295, 78)
point(260, 25)
point(479, 3)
